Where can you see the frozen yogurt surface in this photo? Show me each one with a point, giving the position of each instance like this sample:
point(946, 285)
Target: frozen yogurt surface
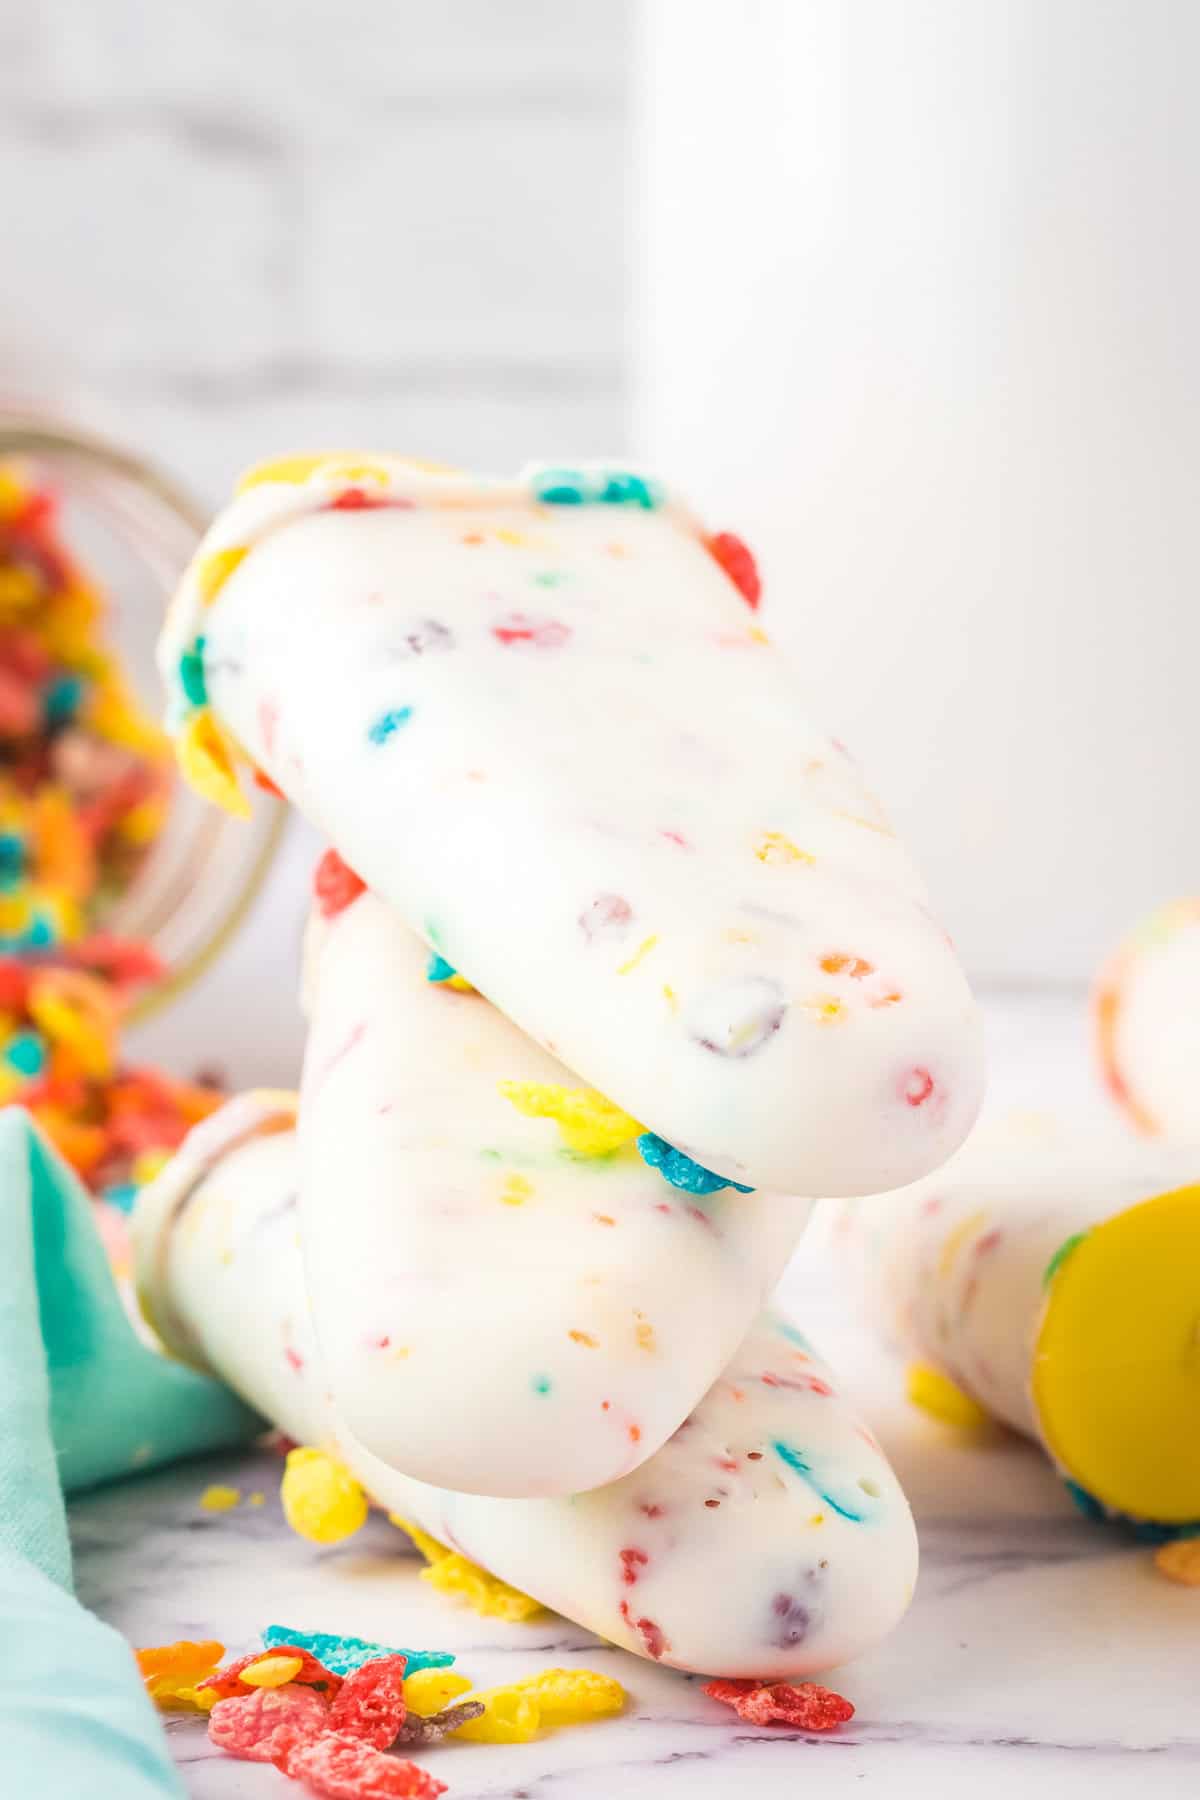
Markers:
point(541, 719)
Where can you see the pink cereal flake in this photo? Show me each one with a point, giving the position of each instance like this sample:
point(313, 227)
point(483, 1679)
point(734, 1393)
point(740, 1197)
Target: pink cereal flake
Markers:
point(253, 1725)
point(804, 1706)
point(917, 1087)
point(540, 634)
point(340, 1767)
point(371, 1705)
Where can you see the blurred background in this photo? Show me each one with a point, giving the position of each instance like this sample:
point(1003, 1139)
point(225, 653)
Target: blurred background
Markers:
point(904, 293)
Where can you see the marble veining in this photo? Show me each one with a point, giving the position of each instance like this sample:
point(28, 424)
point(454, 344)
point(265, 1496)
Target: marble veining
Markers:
point(1042, 1654)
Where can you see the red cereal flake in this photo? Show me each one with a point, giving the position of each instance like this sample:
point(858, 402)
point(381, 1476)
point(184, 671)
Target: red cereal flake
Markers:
point(918, 1087)
point(263, 780)
point(371, 1703)
point(335, 885)
point(341, 1767)
point(542, 634)
point(805, 1705)
point(256, 1724)
point(738, 562)
point(310, 1674)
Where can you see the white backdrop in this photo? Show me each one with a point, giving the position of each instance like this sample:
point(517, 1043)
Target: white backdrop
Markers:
point(918, 289)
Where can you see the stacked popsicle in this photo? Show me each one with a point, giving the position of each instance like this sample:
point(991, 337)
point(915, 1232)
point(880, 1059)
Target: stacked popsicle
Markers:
point(616, 957)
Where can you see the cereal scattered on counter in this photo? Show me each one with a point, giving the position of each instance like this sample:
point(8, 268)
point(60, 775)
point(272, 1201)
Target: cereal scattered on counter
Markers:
point(321, 1499)
point(172, 1673)
point(935, 1394)
point(342, 1655)
point(570, 1696)
point(429, 1691)
point(252, 1726)
point(218, 1498)
point(805, 1706)
point(344, 1768)
point(431, 1728)
point(371, 1703)
point(312, 1672)
point(1180, 1561)
point(451, 1573)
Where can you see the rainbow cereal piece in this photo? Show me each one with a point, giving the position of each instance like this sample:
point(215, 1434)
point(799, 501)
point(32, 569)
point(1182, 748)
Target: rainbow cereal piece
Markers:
point(538, 720)
point(172, 1673)
point(601, 1299)
point(1048, 1279)
point(451, 1573)
point(590, 1124)
point(85, 778)
point(767, 1537)
point(1146, 1022)
point(321, 1499)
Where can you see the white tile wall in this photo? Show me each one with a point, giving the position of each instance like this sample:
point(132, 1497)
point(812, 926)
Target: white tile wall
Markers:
point(239, 226)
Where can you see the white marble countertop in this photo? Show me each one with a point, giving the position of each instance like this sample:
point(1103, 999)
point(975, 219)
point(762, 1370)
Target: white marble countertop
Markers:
point(1041, 1652)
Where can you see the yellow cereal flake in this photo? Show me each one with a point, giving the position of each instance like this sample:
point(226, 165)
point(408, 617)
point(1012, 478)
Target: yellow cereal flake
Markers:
point(214, 570)
point(288, 470)
point(431, 1549)
point(78, 1013)
point(220, 1499)
point(508, 1717)
point(429, 1690)
point(207, 763)
point(147, 1164)
point(590, 1124)
point(517, 1190)
point(451, 1573)
point(569, 1696)
point(321, 1499)
point(271, 1671)
point(458, 984)
point(14, 491)
point(643, 950)
point(774, 848)
point(1180, 1561)
point(256, 1499)
point(172, 1673)
point(643, 1332)
point(483, 1593)
point(942, 1398)
point(112, 711)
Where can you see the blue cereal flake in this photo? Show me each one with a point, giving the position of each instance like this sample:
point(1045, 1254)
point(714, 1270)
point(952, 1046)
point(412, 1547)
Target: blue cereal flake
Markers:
point(389, 723)
point(12, 859)
point(62, 699)
point(680, 1170)
point(438, 969)
point(559, 487)
point(26, 1053)
point(623, 488)
point(123, 1196)
point(342, 1655)
point(789, 1331)
point(191, 674)
point(1087, 1503)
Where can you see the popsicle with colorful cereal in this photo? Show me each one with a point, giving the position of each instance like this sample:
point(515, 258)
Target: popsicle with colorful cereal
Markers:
point(540, 719)
point(513, 1292)
point(1051, 1277)
point(1146, 1012)
point(768, 1538)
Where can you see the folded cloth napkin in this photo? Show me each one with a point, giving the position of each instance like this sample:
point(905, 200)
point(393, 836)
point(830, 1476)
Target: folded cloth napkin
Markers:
point(82, 1400)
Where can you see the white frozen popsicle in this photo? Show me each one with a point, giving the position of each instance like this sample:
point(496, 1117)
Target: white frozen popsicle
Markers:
point(498, 1312)
point(1053, 1274)
point(768, 1537)
point(1146, 1010)
point(540, 720)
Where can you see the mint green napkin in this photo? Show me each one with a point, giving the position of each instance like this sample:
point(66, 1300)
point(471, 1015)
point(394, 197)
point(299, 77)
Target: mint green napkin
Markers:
point(82, 1400)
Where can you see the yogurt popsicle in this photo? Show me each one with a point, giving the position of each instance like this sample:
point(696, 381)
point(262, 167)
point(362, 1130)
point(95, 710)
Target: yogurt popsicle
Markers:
point(499, 1310)
point(1147, 1023)
point(768, 1537)
point(1056, 1280)
point(539, 719)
